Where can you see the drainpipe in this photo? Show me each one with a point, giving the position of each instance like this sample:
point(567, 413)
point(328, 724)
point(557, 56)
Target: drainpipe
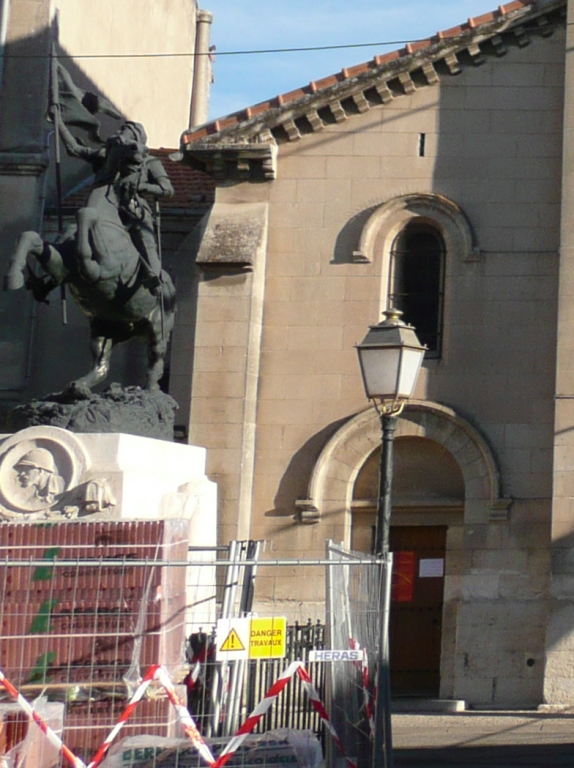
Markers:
point(4, 13)
point(201, 70)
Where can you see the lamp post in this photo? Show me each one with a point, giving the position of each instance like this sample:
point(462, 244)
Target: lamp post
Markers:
point(390, 358)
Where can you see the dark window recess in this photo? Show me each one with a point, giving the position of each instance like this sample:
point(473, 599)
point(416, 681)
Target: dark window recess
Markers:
point(422, 144)
point(416, 282)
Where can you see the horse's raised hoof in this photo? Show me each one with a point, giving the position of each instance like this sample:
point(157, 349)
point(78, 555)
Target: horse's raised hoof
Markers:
point(13, 281)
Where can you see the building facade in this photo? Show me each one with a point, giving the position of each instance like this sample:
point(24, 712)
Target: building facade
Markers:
point(437, 177)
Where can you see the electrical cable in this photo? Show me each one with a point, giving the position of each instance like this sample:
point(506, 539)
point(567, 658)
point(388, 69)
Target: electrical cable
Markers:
point(260, 51)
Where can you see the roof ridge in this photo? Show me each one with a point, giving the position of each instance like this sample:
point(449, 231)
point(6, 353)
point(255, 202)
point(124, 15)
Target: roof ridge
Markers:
point(463, 36)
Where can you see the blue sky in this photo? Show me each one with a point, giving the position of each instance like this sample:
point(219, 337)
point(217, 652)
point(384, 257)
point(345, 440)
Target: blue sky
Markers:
point(242, 25)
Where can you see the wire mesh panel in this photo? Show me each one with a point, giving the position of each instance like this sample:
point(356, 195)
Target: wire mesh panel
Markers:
point(294, 710)
point(353, 617)
point(289, 589)
point(80, 619)
point(88, 607)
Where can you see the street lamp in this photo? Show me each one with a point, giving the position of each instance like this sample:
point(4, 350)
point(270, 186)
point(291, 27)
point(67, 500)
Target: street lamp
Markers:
point(390, 357)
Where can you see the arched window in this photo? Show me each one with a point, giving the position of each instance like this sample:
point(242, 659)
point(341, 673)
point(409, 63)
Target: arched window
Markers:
point(416, 281)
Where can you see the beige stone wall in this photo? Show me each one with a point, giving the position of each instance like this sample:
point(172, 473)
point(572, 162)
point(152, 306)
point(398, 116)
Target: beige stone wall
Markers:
point(23, 160)
point(560, 630)
point(154, 90)
point(493, 147)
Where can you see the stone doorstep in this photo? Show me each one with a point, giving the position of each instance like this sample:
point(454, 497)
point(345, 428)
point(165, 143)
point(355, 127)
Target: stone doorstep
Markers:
point(427, 705)
point(555, 709)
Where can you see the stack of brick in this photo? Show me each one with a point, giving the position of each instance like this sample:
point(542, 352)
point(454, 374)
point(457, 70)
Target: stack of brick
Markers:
point(76, 630)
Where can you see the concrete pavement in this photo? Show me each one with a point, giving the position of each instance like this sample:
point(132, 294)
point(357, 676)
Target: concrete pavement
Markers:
point(476, 739)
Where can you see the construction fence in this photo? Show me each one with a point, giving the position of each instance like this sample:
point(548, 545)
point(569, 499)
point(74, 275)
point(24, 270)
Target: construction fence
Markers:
point(130, 649)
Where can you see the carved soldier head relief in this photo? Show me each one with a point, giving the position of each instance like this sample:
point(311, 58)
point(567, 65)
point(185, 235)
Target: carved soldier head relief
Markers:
point(37, 480)
point(37, 467)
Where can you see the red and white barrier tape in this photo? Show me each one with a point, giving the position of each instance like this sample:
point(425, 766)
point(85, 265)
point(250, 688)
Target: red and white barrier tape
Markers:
point(295, 667)
point(160, 674)
point(257, 713)
point(136, 698)
point(363, 665)
point(185, 718)
point(198, 660)
point(320, 709)
point(367, 696)
point(51, 735)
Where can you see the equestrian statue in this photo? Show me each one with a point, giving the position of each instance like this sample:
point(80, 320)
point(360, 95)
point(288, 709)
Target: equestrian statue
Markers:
point(110, 258)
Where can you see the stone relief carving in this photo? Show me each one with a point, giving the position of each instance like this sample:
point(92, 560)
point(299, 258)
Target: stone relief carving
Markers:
point(35, 482)
point(43, 476)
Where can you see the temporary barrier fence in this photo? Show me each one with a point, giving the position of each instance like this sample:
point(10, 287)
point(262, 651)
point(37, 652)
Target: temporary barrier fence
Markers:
point(80, 628)
point(159, 674)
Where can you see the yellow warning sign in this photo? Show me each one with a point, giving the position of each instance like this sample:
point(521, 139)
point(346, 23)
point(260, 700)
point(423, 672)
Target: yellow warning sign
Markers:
point(232, 642)
point(232, 639)
point(267, 638)
point(251, 638)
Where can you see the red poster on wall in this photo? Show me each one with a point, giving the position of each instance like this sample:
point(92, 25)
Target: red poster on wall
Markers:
point(403, 583)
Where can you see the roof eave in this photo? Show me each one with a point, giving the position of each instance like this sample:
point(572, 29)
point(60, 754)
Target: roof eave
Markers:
point(256, 124)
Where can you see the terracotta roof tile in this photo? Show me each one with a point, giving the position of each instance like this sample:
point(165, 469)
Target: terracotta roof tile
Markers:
point(259, 108)
point(516, 6)
point(356, 70)
point(292, 95)
point(379, 60)
point(452, 32)
point(193, 188)
point(386, 58)
point(486, 18)
point(417, 46)
point(326, 82)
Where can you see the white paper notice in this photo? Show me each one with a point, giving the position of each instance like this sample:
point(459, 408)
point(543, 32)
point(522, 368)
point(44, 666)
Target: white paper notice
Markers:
point(431, 568)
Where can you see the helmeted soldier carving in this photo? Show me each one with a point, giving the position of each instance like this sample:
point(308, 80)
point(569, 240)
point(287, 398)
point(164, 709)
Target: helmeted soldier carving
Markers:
point(111, 260)
point(37, 479)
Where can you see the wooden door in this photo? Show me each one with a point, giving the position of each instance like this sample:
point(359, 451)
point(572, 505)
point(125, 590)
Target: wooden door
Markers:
point(416, 609)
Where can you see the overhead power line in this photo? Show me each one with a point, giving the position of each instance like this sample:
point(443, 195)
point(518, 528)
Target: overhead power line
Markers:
point(304, 49)
point(254, 52)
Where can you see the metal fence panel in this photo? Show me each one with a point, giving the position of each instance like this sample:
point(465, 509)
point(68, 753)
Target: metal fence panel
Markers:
point(81, 620)
point(353, 619)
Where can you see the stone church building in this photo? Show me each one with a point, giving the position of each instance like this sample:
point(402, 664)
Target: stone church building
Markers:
point(439, 178)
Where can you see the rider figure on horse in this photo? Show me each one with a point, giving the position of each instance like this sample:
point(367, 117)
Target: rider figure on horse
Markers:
point(111, 263)
point(125, 166)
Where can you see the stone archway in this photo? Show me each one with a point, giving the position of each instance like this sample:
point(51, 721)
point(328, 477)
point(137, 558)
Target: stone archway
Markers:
point(331, 496)
point(387, 219)
point(335, 471)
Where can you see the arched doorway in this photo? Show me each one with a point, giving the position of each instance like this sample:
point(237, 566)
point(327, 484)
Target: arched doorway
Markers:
point(332, 486)
point(428, 495)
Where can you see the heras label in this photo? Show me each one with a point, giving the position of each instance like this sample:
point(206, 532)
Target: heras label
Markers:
point(331, 655)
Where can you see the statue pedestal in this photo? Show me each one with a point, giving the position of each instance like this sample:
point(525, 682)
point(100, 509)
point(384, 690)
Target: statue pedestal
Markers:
point(154, 479)
point(119, 510)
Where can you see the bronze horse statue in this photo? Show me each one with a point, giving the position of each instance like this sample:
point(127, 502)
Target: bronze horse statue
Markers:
point(110, 260)
point(105, 276)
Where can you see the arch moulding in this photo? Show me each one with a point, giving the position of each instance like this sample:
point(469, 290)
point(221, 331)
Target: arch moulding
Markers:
point(341, 459)
point(390, 218)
